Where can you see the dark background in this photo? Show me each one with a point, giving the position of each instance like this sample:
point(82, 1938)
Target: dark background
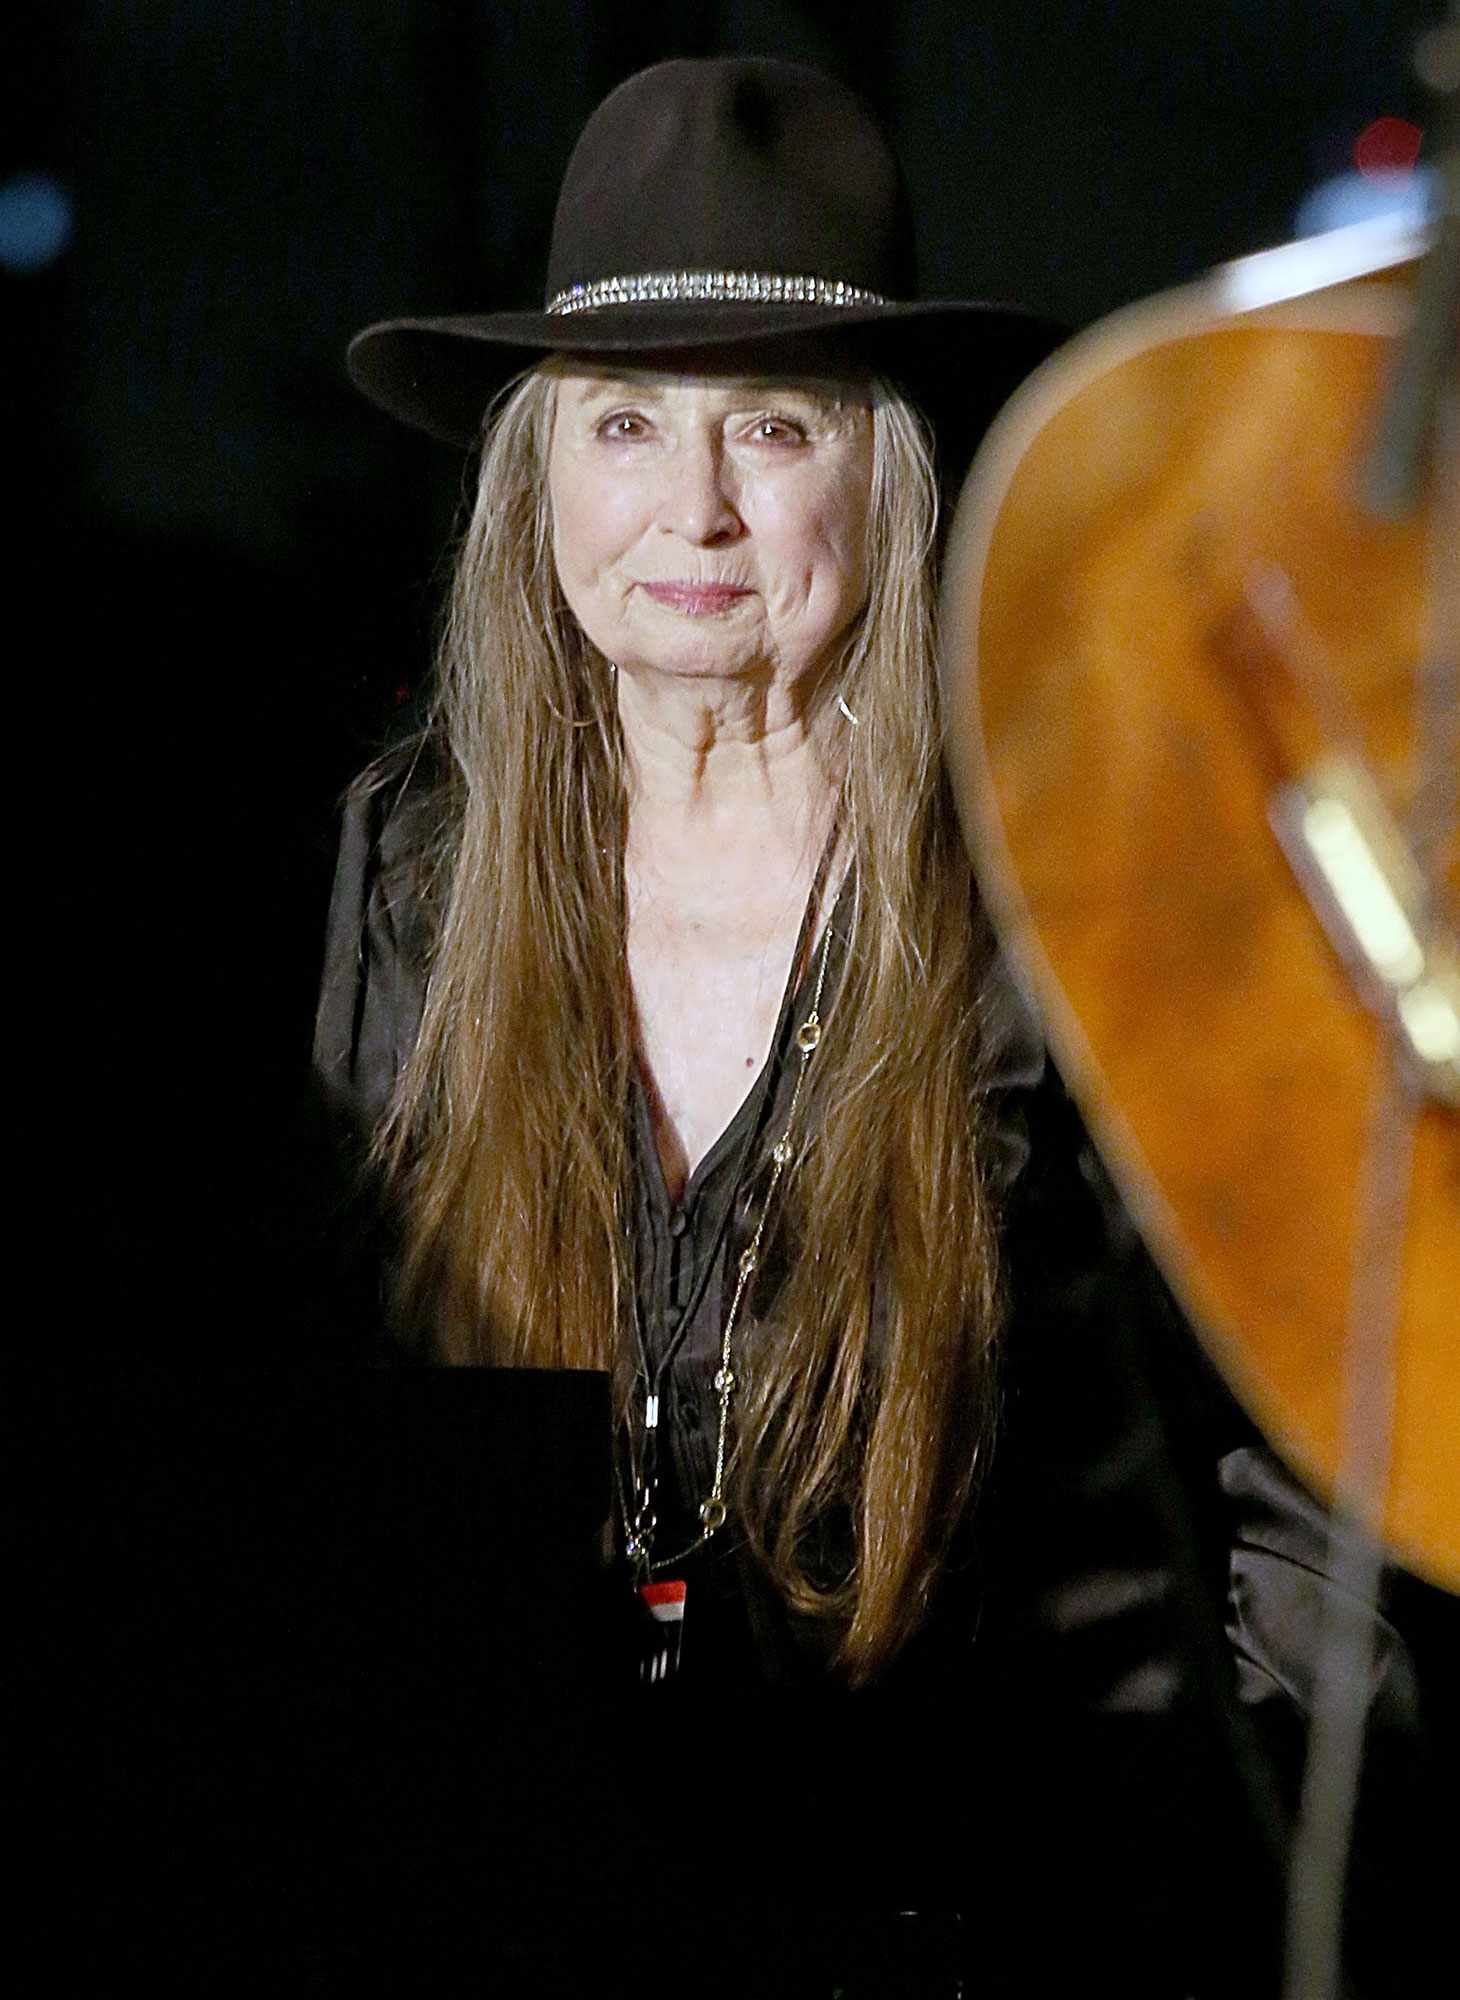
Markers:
point(225, 566)
point(238, 561)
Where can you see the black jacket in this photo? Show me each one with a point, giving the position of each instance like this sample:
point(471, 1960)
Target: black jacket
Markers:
point(1104, 1711)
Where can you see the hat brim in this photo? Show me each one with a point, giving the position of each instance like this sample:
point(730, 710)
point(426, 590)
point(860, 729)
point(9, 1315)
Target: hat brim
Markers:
point(959, 359)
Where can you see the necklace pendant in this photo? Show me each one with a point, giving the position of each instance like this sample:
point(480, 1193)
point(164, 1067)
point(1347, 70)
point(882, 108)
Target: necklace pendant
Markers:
point(639, 1532)
point(663, 1632)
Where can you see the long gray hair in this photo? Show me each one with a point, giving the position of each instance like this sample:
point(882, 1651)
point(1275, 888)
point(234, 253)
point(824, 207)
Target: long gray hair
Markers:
point(507, 1137)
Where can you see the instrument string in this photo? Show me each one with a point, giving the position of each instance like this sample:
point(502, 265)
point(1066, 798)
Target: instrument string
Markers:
point(1343, 1676)
point(1345, 1660)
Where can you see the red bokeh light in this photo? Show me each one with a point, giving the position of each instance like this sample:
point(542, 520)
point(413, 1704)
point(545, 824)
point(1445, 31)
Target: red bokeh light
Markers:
point(1387, 146)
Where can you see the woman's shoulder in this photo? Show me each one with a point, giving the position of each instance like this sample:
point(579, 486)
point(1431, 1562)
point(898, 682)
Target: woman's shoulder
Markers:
point(389, 875)
point(397, 808)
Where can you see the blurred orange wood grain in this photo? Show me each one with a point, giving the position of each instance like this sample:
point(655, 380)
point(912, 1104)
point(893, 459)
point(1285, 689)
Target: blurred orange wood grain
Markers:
point(1164, 473)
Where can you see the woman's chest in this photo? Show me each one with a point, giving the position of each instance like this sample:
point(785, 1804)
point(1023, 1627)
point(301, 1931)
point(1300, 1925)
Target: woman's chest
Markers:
point(707, 1001)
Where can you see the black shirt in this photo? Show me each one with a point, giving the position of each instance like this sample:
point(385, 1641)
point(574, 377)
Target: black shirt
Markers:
point(1138, 1588)
point(687, 1251)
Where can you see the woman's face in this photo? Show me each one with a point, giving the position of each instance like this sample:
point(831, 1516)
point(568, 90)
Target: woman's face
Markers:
point(709, 525)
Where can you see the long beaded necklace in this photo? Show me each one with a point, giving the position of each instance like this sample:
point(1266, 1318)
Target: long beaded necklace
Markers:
point(640, 1526)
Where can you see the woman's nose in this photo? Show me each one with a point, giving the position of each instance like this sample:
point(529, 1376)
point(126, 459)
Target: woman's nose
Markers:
point(701, 502)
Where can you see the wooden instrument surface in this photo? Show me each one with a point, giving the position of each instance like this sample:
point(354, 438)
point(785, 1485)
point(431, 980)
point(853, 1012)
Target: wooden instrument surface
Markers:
point(1169, 503)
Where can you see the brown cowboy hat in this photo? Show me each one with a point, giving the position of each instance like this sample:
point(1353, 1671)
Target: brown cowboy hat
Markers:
point(707, 203)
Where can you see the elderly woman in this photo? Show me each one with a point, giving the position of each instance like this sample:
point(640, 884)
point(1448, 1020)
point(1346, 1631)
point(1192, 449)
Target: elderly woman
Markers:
point(657, 979)
point(673, 1044)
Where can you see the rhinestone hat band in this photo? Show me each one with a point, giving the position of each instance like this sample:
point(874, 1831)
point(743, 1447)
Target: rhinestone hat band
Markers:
point(732, 287)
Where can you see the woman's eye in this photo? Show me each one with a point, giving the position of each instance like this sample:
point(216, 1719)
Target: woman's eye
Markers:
point(623, 424)
point(777, 430)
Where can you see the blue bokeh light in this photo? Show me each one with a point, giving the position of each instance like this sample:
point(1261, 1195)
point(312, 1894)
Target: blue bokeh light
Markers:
point(36, 221)
point(1357, 197)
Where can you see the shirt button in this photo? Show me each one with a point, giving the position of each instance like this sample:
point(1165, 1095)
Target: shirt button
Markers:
point(678, 1222)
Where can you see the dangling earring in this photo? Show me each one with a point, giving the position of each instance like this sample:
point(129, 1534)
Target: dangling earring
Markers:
point(841, 702)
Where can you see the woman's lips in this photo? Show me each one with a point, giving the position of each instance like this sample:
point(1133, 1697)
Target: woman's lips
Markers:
point(696, 600)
